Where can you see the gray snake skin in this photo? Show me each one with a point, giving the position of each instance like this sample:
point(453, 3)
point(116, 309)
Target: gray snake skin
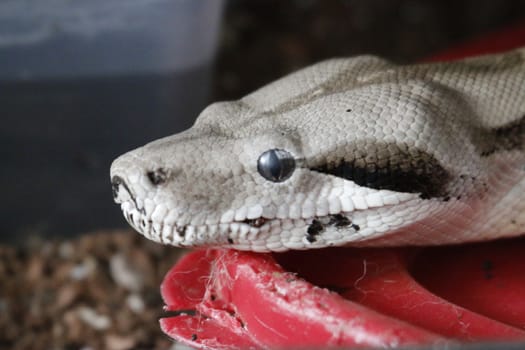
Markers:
point(354, 151)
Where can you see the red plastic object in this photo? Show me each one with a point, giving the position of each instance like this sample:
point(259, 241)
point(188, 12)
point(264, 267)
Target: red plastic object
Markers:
point(503, 40)
point(250, 300)
point(346, 297)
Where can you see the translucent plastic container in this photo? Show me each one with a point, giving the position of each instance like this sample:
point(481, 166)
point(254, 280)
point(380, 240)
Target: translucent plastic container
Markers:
point(82, 82)
point(63, 38)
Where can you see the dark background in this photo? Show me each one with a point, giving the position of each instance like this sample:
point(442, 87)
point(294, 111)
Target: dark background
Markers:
point(265, 39)
point(59, 137)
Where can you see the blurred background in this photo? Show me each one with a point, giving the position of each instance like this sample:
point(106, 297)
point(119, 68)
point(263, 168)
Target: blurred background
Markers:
point(82, 82)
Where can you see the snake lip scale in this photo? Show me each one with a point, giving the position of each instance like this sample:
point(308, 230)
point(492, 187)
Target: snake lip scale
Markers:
point(184, 235)
point(355, 151)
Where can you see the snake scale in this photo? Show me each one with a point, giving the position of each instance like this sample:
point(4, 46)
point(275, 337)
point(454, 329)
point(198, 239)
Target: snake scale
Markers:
point(356, 151)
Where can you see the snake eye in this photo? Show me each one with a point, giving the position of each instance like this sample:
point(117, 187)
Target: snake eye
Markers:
point(276, 165)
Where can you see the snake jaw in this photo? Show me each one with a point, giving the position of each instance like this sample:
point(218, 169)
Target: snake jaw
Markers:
point(260, 234)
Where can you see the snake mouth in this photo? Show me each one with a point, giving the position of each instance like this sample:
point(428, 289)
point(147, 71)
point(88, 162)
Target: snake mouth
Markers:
point(258, 222)
point(160, 232)
point(366, 218)
point(187, 235)
point(260, 234)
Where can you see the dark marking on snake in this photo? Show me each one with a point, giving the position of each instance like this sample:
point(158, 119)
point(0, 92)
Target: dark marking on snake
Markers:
point(339, 220)
point(181, 230)
point(230, 241)
point(389, 167)
point(194, 337)
point(508, 137)
point(319, 224)
point(313, 230)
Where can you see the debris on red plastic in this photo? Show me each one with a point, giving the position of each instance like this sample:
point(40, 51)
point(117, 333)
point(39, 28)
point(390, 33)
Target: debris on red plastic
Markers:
point(248, 300)
point(346, 297)
point(419, 286)
point(219, 298)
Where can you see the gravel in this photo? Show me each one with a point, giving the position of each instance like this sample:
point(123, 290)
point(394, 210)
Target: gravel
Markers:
point(100, 291)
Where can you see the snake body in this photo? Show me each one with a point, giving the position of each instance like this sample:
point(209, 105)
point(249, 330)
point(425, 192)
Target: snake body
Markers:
point(356, 151)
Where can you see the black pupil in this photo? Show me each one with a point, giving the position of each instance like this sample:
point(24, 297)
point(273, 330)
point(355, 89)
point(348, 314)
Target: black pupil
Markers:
point(276, 165)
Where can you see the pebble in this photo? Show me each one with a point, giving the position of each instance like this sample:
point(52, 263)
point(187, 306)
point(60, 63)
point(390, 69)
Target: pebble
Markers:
point(65, 296)
point(81, 271)
point(124, 274)
point(119, 342)
point(93, 319)
point(66, 250)
point(135, 303)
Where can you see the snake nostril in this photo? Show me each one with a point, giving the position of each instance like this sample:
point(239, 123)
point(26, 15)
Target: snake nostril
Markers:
point(158, 176)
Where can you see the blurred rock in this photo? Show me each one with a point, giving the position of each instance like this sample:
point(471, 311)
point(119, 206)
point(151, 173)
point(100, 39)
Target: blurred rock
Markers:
point(94, 319)
point(124, 273)
point(65, 295)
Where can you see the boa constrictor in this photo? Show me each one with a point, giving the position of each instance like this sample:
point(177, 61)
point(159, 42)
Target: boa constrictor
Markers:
point(355, 151)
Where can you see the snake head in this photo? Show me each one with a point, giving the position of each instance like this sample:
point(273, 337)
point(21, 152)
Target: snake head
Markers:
point(350, 151)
